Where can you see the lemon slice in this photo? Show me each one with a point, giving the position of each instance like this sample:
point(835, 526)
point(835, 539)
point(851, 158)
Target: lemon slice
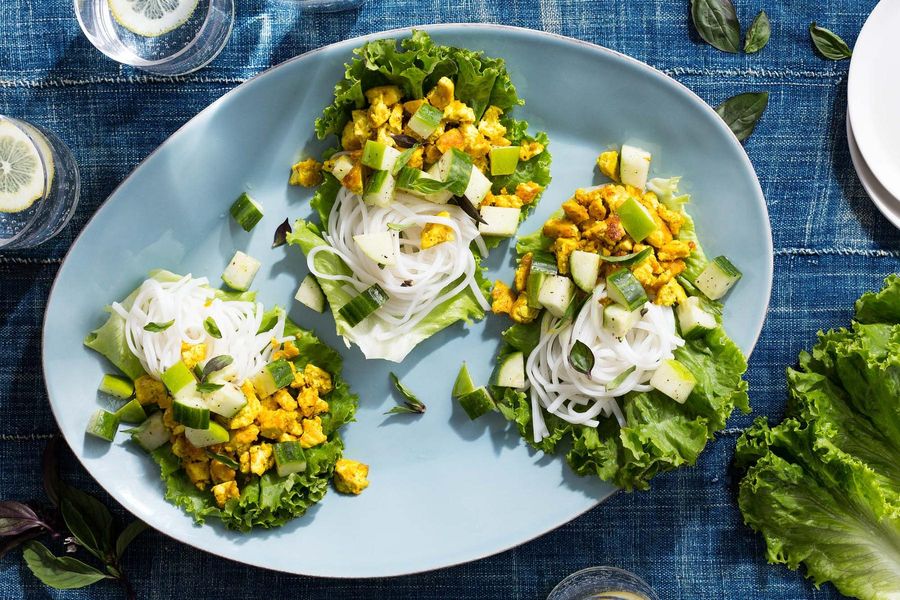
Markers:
point(21, 170)
point(152, 18)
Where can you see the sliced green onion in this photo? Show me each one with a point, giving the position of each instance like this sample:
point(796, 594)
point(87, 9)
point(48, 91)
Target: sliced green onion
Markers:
point(224, 459)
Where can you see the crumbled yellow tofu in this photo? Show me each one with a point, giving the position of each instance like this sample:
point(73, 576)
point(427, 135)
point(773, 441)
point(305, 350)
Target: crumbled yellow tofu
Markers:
point(174, 427)
point(386, 94)
point(575, 212)
point(442, 94)
point(563, 248)
point(197, 472)
point(415, 159)
point(353, 180)
point(437, 233)
point(192, 355)
point(186, 450)
point(240, 439)
point(307, 173)
point(284, 400)
point(528, 191)
point(413, 105)
point(529, 150)
point(312, 433)
point(357, 130)
point(246, 415)
point(670, 294)
point(350, 476)
point(149, 391)
point(504, 201)
point(522, 271)
point(273, 423)
point(452, 138)
point(503, 298)
point(318, 378)
point(309, 404)
point(675, 249)
point(560, 228)
point(458, 112)
point(288, 350)
point(225, 491)
point(261, 459)
point(220, 472)
point(490, 126)
point(608, 162)
point(521, 312)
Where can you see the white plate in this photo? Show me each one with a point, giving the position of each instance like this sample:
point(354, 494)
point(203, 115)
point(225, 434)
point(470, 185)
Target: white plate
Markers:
point(883, 200)
point(873, 95)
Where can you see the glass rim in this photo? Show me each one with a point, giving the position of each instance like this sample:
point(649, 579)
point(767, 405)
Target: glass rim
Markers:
point(598, 568)
point(142, 63)
point(23, 127)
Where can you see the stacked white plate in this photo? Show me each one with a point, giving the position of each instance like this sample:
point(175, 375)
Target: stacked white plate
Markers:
point(873, 108)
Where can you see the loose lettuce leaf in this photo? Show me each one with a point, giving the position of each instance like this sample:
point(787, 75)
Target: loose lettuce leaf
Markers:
point(462, 307)
point(882, 306)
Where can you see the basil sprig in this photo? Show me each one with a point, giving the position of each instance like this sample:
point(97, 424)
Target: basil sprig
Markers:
point(158, 327)
point(828, 43)
point(216, 363)
point(411, 179)
point(411, 405)
point(758, 34)
point(582, 357)
point(741, 112)
point(281, 233)
point(717, 23)
point(211, 328)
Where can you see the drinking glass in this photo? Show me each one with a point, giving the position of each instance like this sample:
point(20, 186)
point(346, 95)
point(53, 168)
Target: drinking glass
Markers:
point(602, 583)
point(328, 5)
point(35, 165)
point(188, 46)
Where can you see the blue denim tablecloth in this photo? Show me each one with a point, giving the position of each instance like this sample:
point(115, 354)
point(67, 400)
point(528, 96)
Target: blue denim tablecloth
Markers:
point(685, 535)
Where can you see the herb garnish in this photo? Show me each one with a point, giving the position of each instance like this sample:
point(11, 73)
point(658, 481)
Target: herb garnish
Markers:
point(399, 226)
point(216, 363)
point(208, 388)
point(281, 234)
point(211, 328)
point(717, 23)
point(628, 259)
point(468, 208)
point(582, 357)
point(412, 405)
point(758, 34)
point(158, 327)
point(828, 43)
point(741, 112)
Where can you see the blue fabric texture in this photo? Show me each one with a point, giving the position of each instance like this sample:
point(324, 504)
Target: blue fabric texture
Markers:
point(685, 535)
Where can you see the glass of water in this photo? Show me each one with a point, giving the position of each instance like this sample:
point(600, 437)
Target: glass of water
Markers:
point(163, 37)
point(602, 583)
point(39, 184)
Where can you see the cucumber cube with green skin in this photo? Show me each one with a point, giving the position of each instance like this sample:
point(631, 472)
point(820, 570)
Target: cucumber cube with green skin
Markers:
point(477, 402)
point(463, 384)
point(585, 268)
point(239, 273)
point(634, 166)
point(191, 411)
point(246, 211)
point(227, 401)
point(117, 387)
point(623, 288)
point(511, 371)
point(478, 187)
point(272, 377)
point(454, 167)
point(717, 278)
point(636, 219)
point(674, 380)
point(152, 433)
point(426, 120)
point(693, 320)
point(289, 458)
point(556, 294)
point(200, 438)
point(103, 424)
point(533, 287)
point(342, 166)
point(379, 156)
point(619, 320)
point(310, 294)
point(362, 305)
point(504, 160)
point(380, 189)
point(177, 378)
point(499, 221)
point(378, 246)
point(131, 412)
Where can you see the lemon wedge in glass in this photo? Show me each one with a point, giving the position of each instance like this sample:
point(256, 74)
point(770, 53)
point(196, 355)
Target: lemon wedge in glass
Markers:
point(152, 18)
point(22, 180)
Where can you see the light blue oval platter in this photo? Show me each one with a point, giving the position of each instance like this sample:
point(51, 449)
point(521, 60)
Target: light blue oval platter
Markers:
point(444, 490)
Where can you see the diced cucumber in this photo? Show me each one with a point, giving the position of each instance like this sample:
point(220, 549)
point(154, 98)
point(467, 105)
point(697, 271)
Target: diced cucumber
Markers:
point(478, 187)
point(674, 380)
point(239, 273)
point(177, 378)
point(454, 168)
point(200, 438)
point(361, 306)
point(499, 221)
point(585, 268)
point(272, 377)
point(477, 402)
point(342, 166)
point(191, 411)
point(533, 286)
point(619, 319)
point(511, 371)
point(151, 434)
point(131, 412)
point(425, 120)
point(378, 246)
point(310, 294)
point(544, 262)
point(636, 219)
point(246, 211)
point(717, 278)
point(463, 384)
point(556, 294)
point(624, 288)
point(634, 166)
point(693, 320)
point(117, 387)
point(289, 458)
point(504, 160)
point(103, 424)
point(380, 189)
point(379, 156)
point(227, 401)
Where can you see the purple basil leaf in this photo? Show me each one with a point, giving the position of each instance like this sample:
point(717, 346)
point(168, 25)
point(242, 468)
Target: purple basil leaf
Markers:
point(16, 518)
point(11, 543)
point(281, 234)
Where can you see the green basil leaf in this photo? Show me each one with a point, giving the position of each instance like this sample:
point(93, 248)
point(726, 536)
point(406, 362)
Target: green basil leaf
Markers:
point(411, 179)
point(128, 534)
point(403, 159)
point(89, 521)
point(403, 410)
point(617, 381)
point(628, 259)
point(216, 363)
point(158, 327)
point(717, 23)
point(828, 43)
point(582, 357)
point(211, 328)
point(268, 322)
point(413, 404)
point(572, 309)
point(11, 543)
point(208, 388)
point(741, 112)
point(224, 459)
point(61, 573)
point(758, 34)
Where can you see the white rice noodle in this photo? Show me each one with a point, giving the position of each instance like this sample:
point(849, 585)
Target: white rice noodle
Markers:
point(416, 283)
point(582, 398)
point(189, 302)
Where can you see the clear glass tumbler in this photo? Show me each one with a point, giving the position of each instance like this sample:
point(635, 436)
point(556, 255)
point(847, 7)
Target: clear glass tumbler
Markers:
point(163, 37)
point(328, 5)
point(602, 583)
point(39, 184)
